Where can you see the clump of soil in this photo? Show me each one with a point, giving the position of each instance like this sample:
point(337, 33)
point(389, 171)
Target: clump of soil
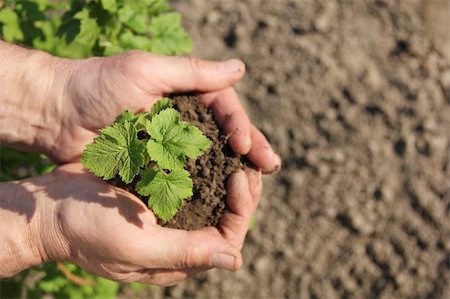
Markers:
point(208, 172)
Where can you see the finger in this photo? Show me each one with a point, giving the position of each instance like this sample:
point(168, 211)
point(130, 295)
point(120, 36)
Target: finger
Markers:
point(255, 185)
point(180, 249)
point(261, 153)
point(231, 117)
point(166, 277)
point(182, 74)
point(234, 224)
point(76, 168)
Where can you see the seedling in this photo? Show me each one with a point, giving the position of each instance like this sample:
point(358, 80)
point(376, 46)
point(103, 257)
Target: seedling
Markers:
point(154, 145)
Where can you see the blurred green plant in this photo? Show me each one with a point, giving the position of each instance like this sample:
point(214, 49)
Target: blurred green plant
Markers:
point(16, 165)
point(81, 28)
point(78, 29)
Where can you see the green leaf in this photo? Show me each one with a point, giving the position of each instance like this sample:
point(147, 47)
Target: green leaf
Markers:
point(109, 5)
point(131, 41)
point(138, 120)
point(168, 36)
point(141, 119)
point(161, 105)
point(166, 191)
point(89, 30)
point(136, 19)
point(10, 30)
point(113, 50)
point(126, 116)
point(116, 150)
point(174, 140)
point(156, 7)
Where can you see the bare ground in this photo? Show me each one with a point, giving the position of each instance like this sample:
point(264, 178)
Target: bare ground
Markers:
point(354, 95)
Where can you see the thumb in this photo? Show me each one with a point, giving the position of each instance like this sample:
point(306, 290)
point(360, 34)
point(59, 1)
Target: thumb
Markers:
point(182, 74)
point(179, 249)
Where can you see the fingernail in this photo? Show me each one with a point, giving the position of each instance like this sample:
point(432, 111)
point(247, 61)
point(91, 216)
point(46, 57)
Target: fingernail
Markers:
point(231, 66)
point(223, 261)
point(276, 163)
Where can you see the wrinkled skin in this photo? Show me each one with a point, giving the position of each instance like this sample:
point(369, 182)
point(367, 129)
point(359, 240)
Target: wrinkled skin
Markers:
point(55, 106)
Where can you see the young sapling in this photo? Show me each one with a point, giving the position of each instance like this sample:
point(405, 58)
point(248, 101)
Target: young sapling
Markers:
point(154, 145)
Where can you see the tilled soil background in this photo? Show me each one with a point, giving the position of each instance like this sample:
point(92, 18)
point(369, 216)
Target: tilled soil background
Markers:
point(355, 98)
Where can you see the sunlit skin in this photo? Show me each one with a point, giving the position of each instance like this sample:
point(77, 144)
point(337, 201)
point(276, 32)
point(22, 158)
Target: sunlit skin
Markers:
point(55, 106)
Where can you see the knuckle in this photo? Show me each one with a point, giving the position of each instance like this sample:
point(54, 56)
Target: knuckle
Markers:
point(187, 258)
point(194, 66)
point(132, 60)
point(192, 255)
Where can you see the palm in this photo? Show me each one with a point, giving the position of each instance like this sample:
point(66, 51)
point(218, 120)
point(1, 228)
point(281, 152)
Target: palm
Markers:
point(113, 229)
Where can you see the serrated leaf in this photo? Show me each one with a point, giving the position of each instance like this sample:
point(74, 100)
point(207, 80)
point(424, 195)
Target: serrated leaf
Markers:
point(173, 140)
point(147, 176)
point(168, 36)
point(126, 116)
point(138, 120)
point(160, 105)
point(166, 157)
point(166, 191)
point(116, 150)
point(141, 119)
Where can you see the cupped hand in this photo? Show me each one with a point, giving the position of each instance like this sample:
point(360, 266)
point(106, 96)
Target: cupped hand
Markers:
point(111, 233)
point(96, 90)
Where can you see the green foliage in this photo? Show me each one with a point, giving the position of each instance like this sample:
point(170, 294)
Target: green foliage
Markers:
point(16, 165)
point(48, 279)
point(173, 140)
point(76, 29)
point(168, 35)
point(117, 150)
point(159, 106)
point(166, 191)
point(53, 282)
point(81, 28)
point(10, 20)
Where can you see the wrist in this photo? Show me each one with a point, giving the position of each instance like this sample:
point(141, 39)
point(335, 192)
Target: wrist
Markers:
point(19, 248)
point(28, 217)
point(29, 95)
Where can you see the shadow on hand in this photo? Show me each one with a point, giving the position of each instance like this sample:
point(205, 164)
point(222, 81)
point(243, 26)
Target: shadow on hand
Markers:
point(79, 186)
point(16, 198)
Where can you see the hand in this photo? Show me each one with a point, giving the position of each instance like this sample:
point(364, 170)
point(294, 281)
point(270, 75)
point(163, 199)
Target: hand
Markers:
point(74, 216)
point(56, 105)
point(97, 90)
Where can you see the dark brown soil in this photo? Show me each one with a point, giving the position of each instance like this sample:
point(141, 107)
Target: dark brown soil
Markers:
point(209, 172)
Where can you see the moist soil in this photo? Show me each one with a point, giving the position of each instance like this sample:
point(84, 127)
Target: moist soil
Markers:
point(209, 172)
point(354, 96)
